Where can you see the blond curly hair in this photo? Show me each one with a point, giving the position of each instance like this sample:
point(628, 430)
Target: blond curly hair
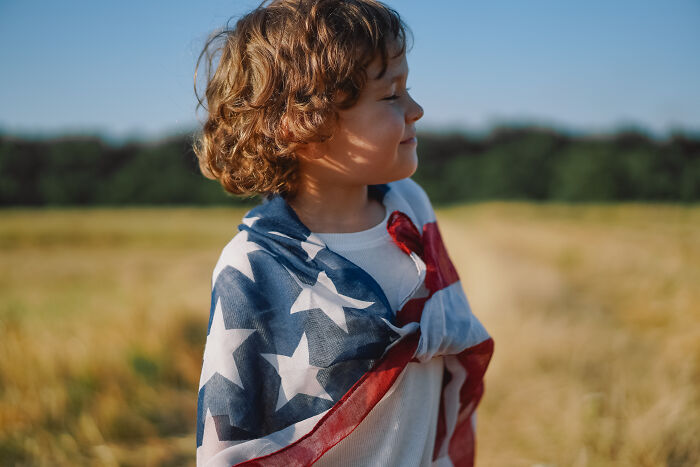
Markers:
point(283, 72)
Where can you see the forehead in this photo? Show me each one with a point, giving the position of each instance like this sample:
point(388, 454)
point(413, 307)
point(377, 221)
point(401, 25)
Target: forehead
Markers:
point(396, 69)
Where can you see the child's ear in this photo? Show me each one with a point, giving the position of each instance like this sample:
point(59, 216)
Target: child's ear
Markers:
point(284, 127)
point(310, 151)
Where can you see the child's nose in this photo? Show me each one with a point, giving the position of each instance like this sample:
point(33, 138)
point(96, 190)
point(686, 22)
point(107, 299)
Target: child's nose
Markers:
point(415, 111)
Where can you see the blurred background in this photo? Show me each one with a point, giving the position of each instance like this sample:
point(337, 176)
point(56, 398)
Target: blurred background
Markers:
point(560, 147)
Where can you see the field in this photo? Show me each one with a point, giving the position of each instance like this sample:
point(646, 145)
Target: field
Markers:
point(594, 310)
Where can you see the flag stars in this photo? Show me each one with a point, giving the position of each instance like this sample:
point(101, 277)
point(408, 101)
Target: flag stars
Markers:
point(324, 296)
point(312, 246)
point(245, 248)
point(297, 375)
point(211, 445)
point(279, 234)
point(249, 221)
point(218, 351)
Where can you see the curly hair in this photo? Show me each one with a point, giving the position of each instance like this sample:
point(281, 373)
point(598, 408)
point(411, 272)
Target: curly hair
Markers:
point(283, 73)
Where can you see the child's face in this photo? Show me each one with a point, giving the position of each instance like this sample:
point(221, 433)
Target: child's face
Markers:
point(375, 139)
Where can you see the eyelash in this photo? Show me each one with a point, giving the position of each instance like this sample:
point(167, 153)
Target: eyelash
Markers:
point(395, 96)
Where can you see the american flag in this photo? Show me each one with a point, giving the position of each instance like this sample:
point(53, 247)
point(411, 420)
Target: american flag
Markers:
point(302, 343)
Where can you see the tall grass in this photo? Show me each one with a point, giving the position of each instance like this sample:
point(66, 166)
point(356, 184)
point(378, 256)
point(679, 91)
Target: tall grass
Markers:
point(595, 314)
point(594, 311)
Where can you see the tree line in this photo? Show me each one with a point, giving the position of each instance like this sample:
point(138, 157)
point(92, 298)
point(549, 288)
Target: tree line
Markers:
point(510, 163)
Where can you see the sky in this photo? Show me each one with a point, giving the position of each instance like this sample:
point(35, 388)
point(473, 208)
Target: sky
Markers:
point(124, 69)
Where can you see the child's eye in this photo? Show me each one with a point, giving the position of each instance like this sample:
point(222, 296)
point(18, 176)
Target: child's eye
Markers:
point(395, 96)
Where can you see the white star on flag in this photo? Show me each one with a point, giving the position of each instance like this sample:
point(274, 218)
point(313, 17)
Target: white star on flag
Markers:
point(213, 445)
point(297, 375)
point(247, 247)
point(218, 351)
point(231, 256)
point(324, 296)
point(312, 248)
point(250, 220)
point(281, 234)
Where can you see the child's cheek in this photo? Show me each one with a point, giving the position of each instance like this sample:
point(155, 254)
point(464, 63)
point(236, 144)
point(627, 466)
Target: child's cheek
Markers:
point(390, 120)
point(397, 123)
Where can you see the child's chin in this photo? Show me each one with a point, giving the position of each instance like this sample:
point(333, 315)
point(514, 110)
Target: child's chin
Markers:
point(411, 168)
point(406, 173)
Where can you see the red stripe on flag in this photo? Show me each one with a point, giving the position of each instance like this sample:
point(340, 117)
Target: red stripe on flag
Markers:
point(441, 272)
point(347, 413)
point(405, 233)
point(475, 360)
point(411, 311)
point(462, 450)
point(356, 404)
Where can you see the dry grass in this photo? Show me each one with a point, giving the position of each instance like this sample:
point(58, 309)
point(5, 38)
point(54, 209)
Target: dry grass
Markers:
point(593, 310)
point(597, 328)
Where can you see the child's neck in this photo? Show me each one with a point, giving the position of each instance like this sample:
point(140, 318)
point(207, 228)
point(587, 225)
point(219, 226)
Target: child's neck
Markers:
point(337, 209)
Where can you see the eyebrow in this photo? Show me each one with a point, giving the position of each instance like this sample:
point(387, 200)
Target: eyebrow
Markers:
point(387, 80)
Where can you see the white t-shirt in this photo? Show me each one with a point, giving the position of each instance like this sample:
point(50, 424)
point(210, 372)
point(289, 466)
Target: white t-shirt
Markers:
point(400, 429)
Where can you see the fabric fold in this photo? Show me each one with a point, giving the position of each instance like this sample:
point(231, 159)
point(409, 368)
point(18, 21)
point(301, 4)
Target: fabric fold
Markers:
point(314, 345)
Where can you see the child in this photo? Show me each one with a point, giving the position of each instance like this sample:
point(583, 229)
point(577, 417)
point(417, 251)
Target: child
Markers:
point(339, 333)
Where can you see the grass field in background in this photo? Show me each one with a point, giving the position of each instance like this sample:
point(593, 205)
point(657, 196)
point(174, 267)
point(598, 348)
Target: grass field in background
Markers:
point(594, 311)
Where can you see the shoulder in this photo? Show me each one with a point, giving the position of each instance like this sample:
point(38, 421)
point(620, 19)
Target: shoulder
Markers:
point(415, 196)
point(411, 191)
point(235, 255)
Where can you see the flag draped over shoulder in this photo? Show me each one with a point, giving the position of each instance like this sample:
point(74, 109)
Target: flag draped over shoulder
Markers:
point(302, 343)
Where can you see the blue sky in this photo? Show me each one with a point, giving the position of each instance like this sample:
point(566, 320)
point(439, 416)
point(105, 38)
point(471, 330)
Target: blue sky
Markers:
point(125, 68)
